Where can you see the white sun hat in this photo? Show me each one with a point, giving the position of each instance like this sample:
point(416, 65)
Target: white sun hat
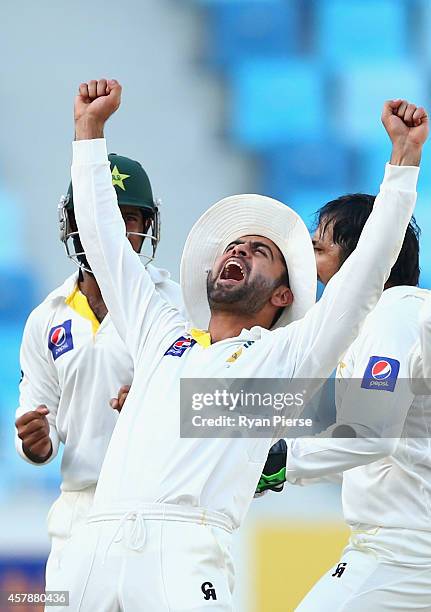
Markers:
point(248, 215)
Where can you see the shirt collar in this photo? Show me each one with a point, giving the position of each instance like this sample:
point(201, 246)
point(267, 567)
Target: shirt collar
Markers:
point(64, 290)
point(203, 337)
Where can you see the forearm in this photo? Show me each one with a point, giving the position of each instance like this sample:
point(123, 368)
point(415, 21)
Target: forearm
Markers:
point(88, 128)
point(125, 285)
point(336, 478)
point(405, 155)
point(361, 278)
point(320, 458)
point(138, 312)
point(352, 293)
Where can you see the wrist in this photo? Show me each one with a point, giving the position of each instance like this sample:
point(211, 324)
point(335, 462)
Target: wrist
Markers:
point(37, 458)
point(88, 128)
point(406, 154)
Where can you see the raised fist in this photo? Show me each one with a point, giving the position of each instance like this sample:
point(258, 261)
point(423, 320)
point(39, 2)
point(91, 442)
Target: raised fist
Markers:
point(95, 103)
point(33, 429)
point(406, 124)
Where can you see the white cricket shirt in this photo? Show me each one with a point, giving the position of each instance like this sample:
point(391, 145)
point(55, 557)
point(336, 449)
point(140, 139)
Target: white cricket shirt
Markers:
point(421, 354)
point(386, 480)
point(75, 366)
point(217, 474)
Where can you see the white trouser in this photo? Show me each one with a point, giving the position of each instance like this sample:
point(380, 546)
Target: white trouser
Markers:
point(68, 513)
point(382, 569)
point(159, 557)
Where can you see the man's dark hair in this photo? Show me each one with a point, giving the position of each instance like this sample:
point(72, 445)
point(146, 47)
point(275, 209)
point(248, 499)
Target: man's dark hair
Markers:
point(348, 214)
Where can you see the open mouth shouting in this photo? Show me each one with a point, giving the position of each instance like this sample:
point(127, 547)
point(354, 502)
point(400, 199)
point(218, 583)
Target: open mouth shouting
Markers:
point(233, 272)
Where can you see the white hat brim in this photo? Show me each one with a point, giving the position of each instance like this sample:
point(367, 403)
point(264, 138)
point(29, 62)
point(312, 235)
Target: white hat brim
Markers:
point(244, 215)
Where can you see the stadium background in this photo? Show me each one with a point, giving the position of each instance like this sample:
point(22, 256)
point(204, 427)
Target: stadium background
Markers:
point(281, 97)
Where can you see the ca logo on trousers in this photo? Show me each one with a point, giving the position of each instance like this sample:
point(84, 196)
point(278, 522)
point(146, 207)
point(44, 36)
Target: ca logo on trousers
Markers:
point(339, 571)
point(208, 590)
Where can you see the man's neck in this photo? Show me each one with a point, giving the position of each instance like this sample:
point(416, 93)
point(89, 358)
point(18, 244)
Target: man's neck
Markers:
point(88, 286)
point(224, 325)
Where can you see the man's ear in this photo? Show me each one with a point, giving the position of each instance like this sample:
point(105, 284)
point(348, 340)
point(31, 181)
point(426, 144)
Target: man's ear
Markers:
point(282, 297)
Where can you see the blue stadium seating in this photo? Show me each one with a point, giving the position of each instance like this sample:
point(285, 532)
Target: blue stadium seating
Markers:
point(423, 218)
point(361, 92)
point(370, 166)
point(247, 29)
point(274, 101)
point(421, 40)
point(18, 293)
point(314, 165)
point(12, 225)
point(359, 30)
point(16, 473)
point(10, 340)
point(303, 74)
point(306, 202)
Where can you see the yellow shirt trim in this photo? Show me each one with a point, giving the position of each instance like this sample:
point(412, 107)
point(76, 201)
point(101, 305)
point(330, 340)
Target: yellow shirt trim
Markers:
point(79, 303)
point(202, 337)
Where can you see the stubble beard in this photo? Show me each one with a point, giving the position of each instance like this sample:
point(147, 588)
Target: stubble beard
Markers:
point(247, 299)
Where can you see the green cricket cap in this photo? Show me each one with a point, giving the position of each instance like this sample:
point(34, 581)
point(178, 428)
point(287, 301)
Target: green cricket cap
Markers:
point(130, 182)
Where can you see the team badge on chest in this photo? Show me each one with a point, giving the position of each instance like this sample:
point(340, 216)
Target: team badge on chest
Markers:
point(60, 339)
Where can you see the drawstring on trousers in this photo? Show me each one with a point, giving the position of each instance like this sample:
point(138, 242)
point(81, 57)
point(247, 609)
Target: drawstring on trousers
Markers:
point(134, 538)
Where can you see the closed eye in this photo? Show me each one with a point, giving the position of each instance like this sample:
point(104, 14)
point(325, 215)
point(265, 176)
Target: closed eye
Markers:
point(263, 249)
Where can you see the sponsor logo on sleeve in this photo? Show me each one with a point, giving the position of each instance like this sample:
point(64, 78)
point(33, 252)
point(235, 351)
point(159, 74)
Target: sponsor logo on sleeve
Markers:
point(179, 347)
point(60, 339)
point(381, 374)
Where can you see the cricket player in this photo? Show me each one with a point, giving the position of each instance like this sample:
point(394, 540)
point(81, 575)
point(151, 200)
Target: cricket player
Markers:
point(159, 539)
point(72, 359)
point(386, 481)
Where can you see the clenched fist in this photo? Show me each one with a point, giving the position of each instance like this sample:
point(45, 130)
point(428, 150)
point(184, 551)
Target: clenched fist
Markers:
point(408, 127)
point(95, 103)
point(33, 429)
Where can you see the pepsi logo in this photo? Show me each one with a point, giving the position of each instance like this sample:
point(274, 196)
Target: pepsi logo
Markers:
point(182, 344)
point(381, 370)
point(179, 347)
point(58, 336)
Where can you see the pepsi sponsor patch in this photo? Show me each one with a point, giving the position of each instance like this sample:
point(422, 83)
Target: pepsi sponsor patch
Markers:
point(381, 374)
point(178, 348)
point(60, 339)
